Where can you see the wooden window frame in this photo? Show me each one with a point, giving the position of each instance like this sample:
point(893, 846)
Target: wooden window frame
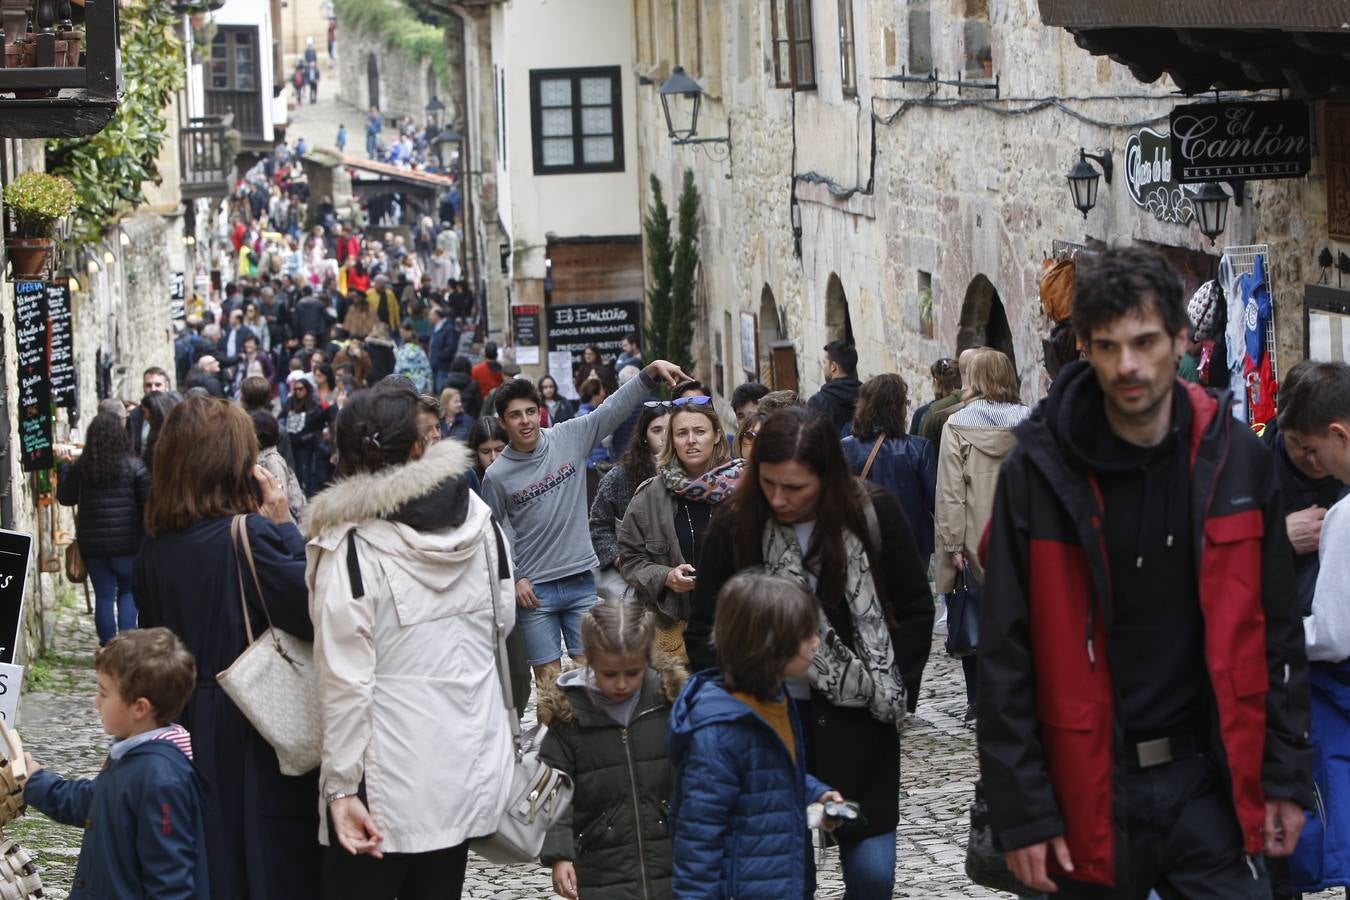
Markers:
point(848, 55)
point(787, 34)
point(230, 34)
point(578, 167)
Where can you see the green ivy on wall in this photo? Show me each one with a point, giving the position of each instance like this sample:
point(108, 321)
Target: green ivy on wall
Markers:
point(400, 29)
point(109, 168)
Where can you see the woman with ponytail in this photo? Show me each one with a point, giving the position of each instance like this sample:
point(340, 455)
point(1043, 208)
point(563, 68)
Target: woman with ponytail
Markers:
point(408, 578)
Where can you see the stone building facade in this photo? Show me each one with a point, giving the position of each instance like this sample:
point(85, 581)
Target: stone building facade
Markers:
point(926, 206)
point(370, 73)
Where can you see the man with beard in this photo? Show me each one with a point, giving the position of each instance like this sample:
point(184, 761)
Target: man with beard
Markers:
point(1143, 684)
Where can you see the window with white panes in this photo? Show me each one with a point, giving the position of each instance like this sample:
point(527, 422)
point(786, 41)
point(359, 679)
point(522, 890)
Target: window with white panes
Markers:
point(576, 118)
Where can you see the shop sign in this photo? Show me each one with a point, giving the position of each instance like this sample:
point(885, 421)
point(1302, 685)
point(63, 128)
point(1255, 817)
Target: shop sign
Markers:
point(177, 297)
point(1337, 131)
point(575, 327)
point(1149, 181)
point(35, 394)
point(14, 550)
point(525, 332)
point(1241, 141)
point(61, 344)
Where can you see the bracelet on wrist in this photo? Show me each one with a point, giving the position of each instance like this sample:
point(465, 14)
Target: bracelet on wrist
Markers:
point(336, 796)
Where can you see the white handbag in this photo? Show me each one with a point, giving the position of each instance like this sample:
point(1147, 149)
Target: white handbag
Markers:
point(539, 794)
point(274, 681)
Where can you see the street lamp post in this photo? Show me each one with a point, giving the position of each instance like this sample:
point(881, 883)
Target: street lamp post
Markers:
point(435, 109)
point(447, 142)
point(681, 98)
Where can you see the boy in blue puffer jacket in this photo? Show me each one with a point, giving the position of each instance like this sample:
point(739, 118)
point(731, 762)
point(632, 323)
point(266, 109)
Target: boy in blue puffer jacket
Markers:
point(143, 814)
point(741, 785)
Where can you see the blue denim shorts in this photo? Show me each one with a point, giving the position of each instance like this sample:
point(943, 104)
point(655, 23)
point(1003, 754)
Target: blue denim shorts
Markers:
point(562, 603)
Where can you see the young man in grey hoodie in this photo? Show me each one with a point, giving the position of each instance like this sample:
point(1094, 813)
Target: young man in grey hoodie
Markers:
point(537, 489)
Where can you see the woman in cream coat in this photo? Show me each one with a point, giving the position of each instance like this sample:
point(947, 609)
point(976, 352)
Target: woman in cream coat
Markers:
point(417, 752)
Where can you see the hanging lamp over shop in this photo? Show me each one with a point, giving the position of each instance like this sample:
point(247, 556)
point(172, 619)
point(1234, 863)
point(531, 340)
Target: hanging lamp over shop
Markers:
point(1211, 210)
point(1084, 179)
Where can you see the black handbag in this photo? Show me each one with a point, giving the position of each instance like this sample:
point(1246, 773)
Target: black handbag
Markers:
point(963, 615)
point(985, 864)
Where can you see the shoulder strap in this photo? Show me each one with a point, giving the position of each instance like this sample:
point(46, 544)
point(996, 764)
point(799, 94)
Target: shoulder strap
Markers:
point(871, 457)
point(499, 645)
point(873, 526)
point(243, 553)
point(354, 567)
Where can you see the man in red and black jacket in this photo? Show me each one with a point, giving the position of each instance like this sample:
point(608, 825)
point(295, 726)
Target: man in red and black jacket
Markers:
point(1143, 695)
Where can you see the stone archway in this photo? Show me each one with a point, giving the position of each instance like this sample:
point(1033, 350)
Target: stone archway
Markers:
point(373, 80)
point(984, 321)
point(770, 331)
point(838, 324)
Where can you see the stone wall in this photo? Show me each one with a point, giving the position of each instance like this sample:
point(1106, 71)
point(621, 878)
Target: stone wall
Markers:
point(405, 84)
point(121, 314)
point(963, 191)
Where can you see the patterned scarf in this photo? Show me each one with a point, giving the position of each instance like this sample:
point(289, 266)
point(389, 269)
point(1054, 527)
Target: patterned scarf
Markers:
point(868, 675)
point(712, 487)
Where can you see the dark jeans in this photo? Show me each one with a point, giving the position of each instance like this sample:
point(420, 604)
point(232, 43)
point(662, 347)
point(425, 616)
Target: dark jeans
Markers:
point(1179, 837)
point(434, 875)
point(114, 607)
point(968, 670)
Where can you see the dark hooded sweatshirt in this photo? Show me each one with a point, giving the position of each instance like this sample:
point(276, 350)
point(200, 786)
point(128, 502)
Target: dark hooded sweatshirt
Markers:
point(1156, 640)
point(836, 399)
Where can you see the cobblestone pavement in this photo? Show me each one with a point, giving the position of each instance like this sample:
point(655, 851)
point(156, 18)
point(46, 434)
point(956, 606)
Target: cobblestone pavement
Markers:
point(61, 729)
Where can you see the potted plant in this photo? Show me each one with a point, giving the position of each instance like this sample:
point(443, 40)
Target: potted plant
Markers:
point(36, 202)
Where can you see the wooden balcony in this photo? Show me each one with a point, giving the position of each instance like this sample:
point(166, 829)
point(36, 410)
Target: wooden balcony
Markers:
point(206, 151)
point(49, 99)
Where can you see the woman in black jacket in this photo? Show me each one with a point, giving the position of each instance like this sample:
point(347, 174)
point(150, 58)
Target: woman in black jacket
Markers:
point(110, 486)
point(801, 514)
point(262, 827)
point(305, 420)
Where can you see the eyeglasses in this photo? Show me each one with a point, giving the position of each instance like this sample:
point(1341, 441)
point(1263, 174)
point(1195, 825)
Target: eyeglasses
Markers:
point(943, 366)
point(748, 437)
point(696, 400)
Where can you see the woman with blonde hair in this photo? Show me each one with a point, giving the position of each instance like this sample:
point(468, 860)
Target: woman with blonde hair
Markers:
point(975, 441)
point(661, 537)
point(261, 831)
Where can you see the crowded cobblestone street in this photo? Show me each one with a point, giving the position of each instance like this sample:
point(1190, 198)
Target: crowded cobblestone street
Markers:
point(61, 729)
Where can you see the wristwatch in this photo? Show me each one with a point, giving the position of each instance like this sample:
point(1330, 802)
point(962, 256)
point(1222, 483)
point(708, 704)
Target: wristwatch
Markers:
point(336, 796)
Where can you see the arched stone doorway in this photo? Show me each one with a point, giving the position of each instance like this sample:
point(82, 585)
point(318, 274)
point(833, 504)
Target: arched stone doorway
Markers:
point(838, 324)
point(984, 322)
point(373, 79)
point(777, 355)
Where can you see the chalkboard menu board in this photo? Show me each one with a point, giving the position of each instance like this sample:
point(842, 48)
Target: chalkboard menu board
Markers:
point(177, 297)
point(35, 395)
point(14, 549)
point(61, 344)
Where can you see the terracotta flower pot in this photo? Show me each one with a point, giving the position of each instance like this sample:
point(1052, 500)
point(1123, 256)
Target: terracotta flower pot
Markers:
point(20, 55)
point(28, 256)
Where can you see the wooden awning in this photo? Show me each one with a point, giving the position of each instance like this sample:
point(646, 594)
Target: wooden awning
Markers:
point(1298, 45)
point(1278, 15)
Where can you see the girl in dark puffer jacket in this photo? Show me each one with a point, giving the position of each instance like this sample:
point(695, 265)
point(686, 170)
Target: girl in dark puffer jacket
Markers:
point(607, 729)
point(110, 486)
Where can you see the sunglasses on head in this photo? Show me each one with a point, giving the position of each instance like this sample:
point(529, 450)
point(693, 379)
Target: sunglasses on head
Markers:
point(696, 400)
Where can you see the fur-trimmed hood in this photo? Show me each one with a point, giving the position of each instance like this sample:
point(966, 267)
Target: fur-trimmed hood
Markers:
point(429, 494)
point(665, 679)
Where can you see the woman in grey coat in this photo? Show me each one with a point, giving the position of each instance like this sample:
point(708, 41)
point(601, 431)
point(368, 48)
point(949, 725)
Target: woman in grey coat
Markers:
point(615, 491)
point(662, 532)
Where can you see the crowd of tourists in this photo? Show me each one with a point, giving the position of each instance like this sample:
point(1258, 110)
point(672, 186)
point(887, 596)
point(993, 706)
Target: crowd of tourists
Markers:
point(724, 628)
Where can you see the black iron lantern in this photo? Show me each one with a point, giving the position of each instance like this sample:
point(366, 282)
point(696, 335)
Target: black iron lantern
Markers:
point(680, 99)
point(435, 109)
point(1083, 179)
point(1211, 209)
point(447, 143)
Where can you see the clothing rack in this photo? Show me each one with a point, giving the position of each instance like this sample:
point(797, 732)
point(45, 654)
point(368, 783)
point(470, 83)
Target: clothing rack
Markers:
point(1244, 263)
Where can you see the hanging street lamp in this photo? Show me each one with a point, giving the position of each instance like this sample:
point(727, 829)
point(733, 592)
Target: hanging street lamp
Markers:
point(1083, 179)
point(1211, 209)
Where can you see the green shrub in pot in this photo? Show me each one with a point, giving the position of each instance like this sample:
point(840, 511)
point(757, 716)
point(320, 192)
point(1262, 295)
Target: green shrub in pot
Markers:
point(36, 201)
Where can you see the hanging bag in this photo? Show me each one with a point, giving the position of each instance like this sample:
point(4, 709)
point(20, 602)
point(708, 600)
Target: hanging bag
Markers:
point(538, 794)
point(274, 682)
point(963, 615)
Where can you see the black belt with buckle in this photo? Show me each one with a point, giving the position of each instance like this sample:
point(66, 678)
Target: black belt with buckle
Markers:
point(1163, 750)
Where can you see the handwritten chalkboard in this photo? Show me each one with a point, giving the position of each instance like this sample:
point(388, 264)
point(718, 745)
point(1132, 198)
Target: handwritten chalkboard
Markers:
point(61, 344)
point(177, 297)
point(35, 393)
point(14, 550)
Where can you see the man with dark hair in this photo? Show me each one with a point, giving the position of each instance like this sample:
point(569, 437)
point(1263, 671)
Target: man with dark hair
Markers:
point(538, 489)
point(839, 394)
point(153, 380)
point(631, 352)
point(441, 347)
point(745, 400)
point(487, 373)
point(1143, 685)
